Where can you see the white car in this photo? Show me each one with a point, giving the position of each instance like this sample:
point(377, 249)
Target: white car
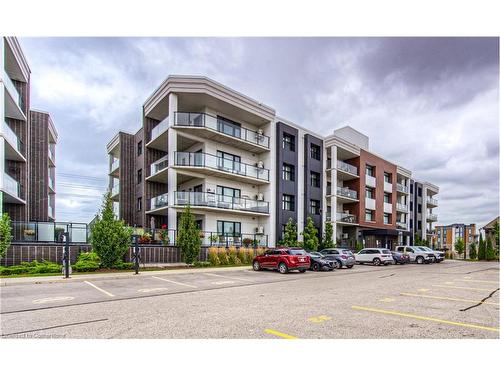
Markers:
point(438, 255)
point(416, 254)
point(376, 256)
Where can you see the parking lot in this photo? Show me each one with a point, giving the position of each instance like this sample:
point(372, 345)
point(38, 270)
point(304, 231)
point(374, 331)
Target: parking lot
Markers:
point(448, 300)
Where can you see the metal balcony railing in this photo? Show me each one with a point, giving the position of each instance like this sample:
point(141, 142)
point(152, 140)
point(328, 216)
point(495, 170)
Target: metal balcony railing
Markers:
point(432, 201)
point(346, 218)
point(346, 192)
point(402, 189)
point(343, 166)
point(159, 165)
point(204, 199)
point(159, 201)
point(401, 207)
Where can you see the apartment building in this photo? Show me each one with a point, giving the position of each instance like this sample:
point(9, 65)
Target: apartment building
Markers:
point(447, 235)
point(423, 203)
point(27, 143)
point(490, 232)
point(245, 171)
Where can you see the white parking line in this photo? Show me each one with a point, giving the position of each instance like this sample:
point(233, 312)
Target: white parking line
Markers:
point(52, 299)
point(228, 277)
point(99, 289)
point(152, 290)
point(173, 282)
point(223, 282)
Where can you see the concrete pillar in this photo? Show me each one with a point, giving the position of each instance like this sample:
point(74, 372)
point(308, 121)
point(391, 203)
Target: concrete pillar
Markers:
point(334, 192)
point(172, 173)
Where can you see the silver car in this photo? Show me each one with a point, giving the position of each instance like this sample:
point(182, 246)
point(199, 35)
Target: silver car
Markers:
point(438, 255)
point(342, 257)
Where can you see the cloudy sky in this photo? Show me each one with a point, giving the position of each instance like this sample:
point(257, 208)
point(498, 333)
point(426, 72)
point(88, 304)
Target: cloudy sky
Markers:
point(428, 104)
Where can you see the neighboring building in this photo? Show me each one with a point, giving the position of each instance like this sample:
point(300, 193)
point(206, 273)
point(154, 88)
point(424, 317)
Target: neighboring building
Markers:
point(423, 203)
point(26, 188)
point(489, 232)
point(447, 235)
point(245, 172)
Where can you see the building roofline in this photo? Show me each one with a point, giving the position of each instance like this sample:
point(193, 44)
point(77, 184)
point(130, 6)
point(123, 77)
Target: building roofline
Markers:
point(19, 55)
point(52, 127)
point(305, 130)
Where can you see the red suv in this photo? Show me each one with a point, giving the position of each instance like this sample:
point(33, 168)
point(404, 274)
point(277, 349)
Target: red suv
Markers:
point(283, 260)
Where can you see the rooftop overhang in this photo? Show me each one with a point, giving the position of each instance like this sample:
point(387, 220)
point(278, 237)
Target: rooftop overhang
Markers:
point(195, 91)
point(16, 64)
point(403, 172)
point(431, 187)
point(345, 149)
point(113, 146)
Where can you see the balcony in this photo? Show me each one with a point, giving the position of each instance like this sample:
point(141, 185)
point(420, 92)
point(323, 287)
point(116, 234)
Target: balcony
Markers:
point(387, 187)
point(402, 188)
point(217, 202)
point(369, 203)
point(431, 202)
point(114, 170)
point(401, 207)
point(52, 185)
point(116, 209)
point(346, 219)
point(115, 191)
point(13, 149)
point(370, 181)
point(13, 100)
point(432, 217)
point(52, 156)
point(346, 171)
point(387, 208)
point(158, 171)
point(221, 167)
point(159, 139)
point(222, 131)
point(401, 225)
point(12, 190)
point(346, 195)
point(159, 202)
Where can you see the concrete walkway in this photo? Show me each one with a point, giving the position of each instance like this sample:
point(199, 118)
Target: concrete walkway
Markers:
point(112, 275)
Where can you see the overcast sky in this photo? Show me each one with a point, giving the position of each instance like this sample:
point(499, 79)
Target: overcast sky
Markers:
point(428, 104)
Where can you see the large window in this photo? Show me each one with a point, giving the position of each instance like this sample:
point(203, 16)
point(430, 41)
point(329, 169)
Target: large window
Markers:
point(370, 192)
point(388, 177)
point(369, 215)
point(229, 228)
point(387, 198)
point(228, 192)
point(315, 179)
point(288, 142)
point(139, 204)
point(139, 148)
point(139, 176)
point(387, 218)
point(370, 170)
point(419, 208)
point(314, 207)
point(228, 161)
point(419, 191)
point(228, 127)
point(288, 172)
point(315, 152)
point(288, 203)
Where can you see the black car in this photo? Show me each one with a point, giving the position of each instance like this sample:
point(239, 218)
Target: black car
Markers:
point(320, 263)
point(400, 258)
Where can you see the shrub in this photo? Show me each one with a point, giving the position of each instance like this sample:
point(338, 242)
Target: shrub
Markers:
point(328, 236)
point(85, 266)
point(310, 235)
point(213, 257)
point(242, 255)
point(472, 251)
point(250, 254)
point(188, 237)
point(202, 264)
point(123, 266)
point(223, 258)
point(5, 234)
point(233, 255)
point(247, 241)
point(290, 235)
point(89, 256)
point(260, 251)
point(490, 251)
point(31, 268)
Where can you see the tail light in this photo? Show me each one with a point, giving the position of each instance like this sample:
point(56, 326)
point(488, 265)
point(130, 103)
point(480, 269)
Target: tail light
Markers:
point(343, 256)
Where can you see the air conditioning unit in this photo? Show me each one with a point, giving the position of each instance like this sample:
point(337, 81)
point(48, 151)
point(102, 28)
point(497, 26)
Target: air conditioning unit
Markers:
point(259, 230)
point(260, 197)
point(345, 236)
point(260, 164)
point(260, 132)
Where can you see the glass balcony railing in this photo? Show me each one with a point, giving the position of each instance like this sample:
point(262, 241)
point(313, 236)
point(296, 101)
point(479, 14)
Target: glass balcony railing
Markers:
point(432, 201)
point(402, 189)
point(52, 183)
point(115, 165)
point(401, 207)
point(52, 155)
point(115, 190)
point(11, 186)
point(159, 129)
point(343, 166)
point(201, 159)
point(159, 165)
point(11, 88)
point(432, 217)
point(159, 201)
point(401, 224)
point(346, 218)
point(11, 137)
point(222, 126)
point(346, 192)
point(329, 216)
point(204, 199)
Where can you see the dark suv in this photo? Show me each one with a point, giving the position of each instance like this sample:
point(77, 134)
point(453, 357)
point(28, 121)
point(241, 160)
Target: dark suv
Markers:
point(342, 257)
point(283, 260)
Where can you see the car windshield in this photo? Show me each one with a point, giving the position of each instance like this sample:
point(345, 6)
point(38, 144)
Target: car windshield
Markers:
point(386, 252)
point(295, 252)
point(425, 249)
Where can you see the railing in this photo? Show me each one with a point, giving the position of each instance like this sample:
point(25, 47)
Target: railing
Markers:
point(159, 165)
point(159, 201)
point(52, 155)
point(343, 166)
point(328, 216)
point(11, 186)
point(52, 185)
point(328, 190)
point(205, 199)
point(370, 181)
point(115, 165)
point(205, 120)
point(402, 188)
point(432, 201)
point(51, 211)
point(115, 190)
point(401, 224)
point(12, 137)
point(346, 218)
point(159, 129)
point(200, 159)
point(42, 231)
point(116, 209)
point(401, 207)
point(346, 192)
point(432, 217)
point(11, 88)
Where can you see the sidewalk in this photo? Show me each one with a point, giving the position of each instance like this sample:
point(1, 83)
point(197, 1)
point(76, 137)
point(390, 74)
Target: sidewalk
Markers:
point(111, 276)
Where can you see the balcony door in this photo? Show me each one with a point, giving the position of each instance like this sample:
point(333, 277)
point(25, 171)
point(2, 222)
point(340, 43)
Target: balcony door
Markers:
point(226, 196)
point(229, 162)
point(228, 127)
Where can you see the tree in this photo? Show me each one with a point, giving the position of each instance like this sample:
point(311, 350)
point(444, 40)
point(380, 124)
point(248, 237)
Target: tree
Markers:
point(110, 238)
point(310, 236)
point(359, 246)
point(290, 235)
point(481, 255)
point(496, 235)
point(5, 234)
point(472, 251)
point(490, 251)
point(328, 236)
point(459, 246)
point(188, 237)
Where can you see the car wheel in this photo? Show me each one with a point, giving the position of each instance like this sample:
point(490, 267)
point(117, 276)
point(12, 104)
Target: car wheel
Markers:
point(302, 271)
point(420, 260)
point(282, 268)
point(315, 267)
point(350, 266)
point(256, 266)
point(336, 264)
point(376, 262)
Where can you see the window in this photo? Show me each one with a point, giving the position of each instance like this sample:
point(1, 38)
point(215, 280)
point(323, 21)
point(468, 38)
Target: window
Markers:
point(228, 127)
point(139, 176)
point(419, 225)
point(288, 142)
point(288, 172)
point(314, 207)
point(369, 215)
point(411, 223)
point(228, 192)
point(387, 218)
point(419, 208)
point(315, 152)
point(315, 179)
point(387, 198)
point(411, 189)
point(229, 228)
point(228, 161)
point(388, 177)
point(419, 192)
point(139, 148)
point(370, 192)
point(139, 204)
point(370, 171)
point(288, 203)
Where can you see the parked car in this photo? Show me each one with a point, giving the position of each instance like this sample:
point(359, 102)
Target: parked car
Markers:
point(319, 262)
point(283, 260)
point(438, 255)
point(377, 256)
point(342, 257)
point(416, 254)
point(400, 258)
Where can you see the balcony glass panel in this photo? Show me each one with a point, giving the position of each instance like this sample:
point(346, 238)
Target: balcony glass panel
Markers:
point(343, 166)
point(346, 192)
point(159, 129)
point(11, 137)
point(115, 164)
point(11, 185)
point(159, 201)
point(220, 201)
point(159, 165)
point(115, 189)
point(401, 188)
point(346, 218)
point(11, 88)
